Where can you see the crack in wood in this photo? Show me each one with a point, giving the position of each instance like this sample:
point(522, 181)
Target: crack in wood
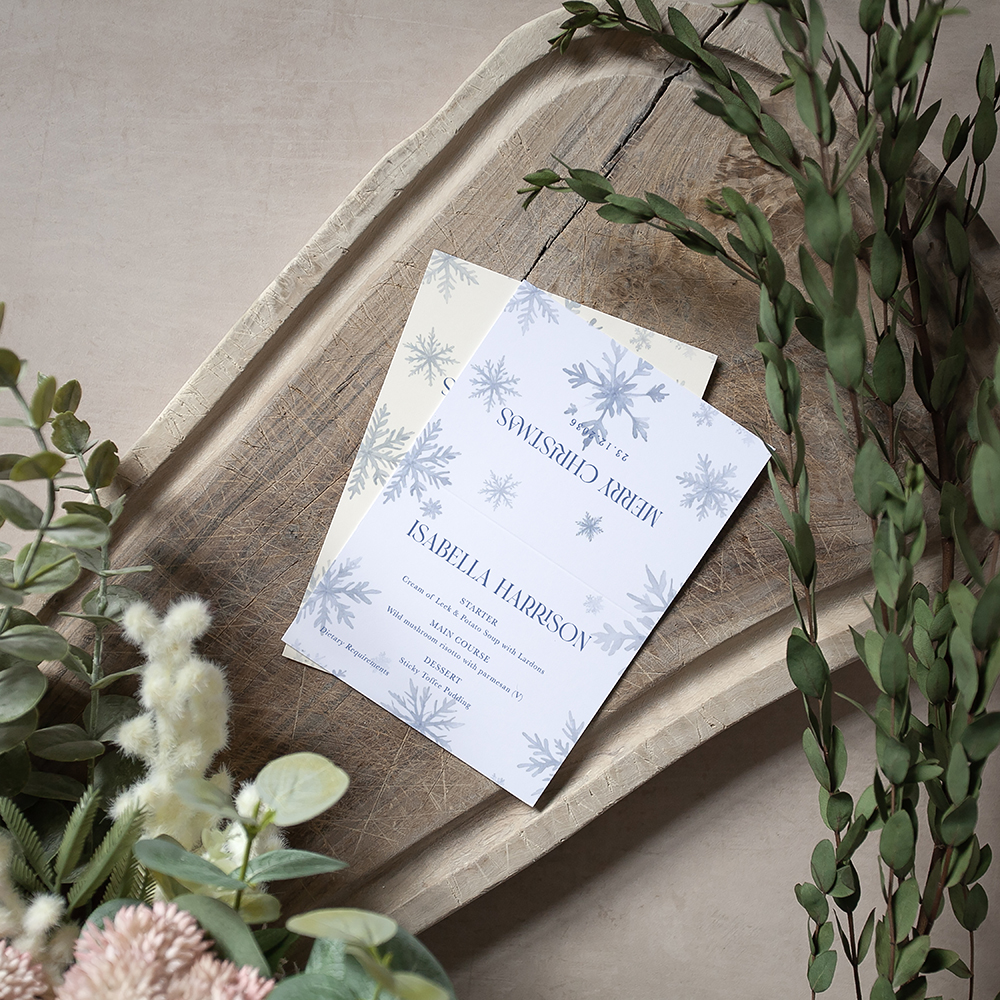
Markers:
point(611, 160)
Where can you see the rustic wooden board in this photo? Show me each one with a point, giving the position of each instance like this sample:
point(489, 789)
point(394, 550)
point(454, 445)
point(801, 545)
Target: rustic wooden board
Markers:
point(232, 489)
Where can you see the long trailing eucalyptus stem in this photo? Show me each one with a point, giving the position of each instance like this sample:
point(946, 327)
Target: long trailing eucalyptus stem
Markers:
point(943, 643)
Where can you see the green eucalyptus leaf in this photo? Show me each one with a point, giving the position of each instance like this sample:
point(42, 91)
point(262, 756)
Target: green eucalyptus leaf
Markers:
point(169, 858)
point(79, 531)
point(893, 669)
point(945, 960)
point(230, 935)
point(33, 643)
point(905, 906)
point(896, 843)
point(824, 865)
point(70, 434)
point(102, 465)
point(813, 902)
point(41, 400)
point(985, 485)
point(814, 754)
point(838, 811)
point(10, 368)
point(969, 905)
point(19, 510)
point(821, 971)
point(357, 927)
point(43, 465)
point(274, 866)
point(807, 666)
point(984, 131)
point(889, 370)
point(299, 786)
point(112, 711)
point(66, 742)
point(15, 769)
point(202, 795)
point(67, 397)
point(910, 959)
point(886, 265)
point(60, 787)
point(21, 689)
point(16, 731)
point(957, 774)
point(986, 619)
point(981, 737)
point(959, 822)
point(53, 568)
point(871, 474)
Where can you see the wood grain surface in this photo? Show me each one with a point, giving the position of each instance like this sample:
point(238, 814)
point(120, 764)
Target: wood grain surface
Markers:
point(231, 491)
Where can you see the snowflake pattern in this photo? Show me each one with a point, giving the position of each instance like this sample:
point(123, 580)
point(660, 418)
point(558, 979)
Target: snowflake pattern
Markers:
point(704, 415)
point(590, 526)
point(657, 596)
point(431, 508)
point(593, 604)
point(544, 757)
point(615, 392)
point(429, 357)
point(641, 339)
point(331, 593)
point(500, 490)
point(493, 383)
point(708, 488)
point(380, 451)
point(422, 466)
point(448, 272)
point(531, 304)
point(428, 714)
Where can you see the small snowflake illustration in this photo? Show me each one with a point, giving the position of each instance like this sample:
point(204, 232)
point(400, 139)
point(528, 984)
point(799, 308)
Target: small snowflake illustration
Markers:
point(615, 392)
point(380, 450)
point(656, 598)
point(493, 383)
point(571, 409)
point(704, 415)
point(641, 339)
point(544, 757)
point(422, 466)
point(593, 604)
point(530, 304)
point(590, 526)
point(500, 490)
point(384, 660)
point(426, 713)
point(331, 593)
point(429, 357)
point(431, 508)
point(448, 272)
point(573, 307)
point(708, 488)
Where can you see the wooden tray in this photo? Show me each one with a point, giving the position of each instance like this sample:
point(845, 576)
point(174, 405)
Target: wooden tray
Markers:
point(232, 489)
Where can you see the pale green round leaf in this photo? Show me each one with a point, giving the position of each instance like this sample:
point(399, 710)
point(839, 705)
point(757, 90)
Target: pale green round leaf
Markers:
point(299, 786)
point(80, 531)
point(34, 643)
point(66, 743)
point(274, 866)
point(21, 689)
point(412, 986)
point(206, 797)
point(358, 927)
point(18, 730)
point(170, 858)
point(44, 465)
point(18, 509)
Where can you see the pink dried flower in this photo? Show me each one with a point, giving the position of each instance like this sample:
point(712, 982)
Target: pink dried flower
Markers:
point(21, 977)
point(156, 953)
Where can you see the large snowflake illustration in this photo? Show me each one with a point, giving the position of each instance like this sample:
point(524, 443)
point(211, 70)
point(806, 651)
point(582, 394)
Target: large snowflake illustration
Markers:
point(493, 383)
point(615, 392)
point(708, 488)
point(641, 338)
point(331, 593)
point(590, 526)
point(422, 709)
point(500, 490)
point(657, 596)
point(448, 272)
point(593, 604)
point(531, 304)
point(545, 757)
point(380, 450)
point(429, 357)
point(704, 415)
point(422, 466)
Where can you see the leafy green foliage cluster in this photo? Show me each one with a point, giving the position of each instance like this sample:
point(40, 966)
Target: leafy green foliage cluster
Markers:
point(927, 476)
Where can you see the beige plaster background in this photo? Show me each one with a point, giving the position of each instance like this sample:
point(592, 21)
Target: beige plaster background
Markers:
point(160, 163)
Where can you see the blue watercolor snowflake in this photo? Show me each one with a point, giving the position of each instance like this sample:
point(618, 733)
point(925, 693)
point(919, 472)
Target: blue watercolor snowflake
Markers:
point(331, 593)
point(500, 490)
point(420, 708)
point(657, 596)
point(590, 526)
point(615, 392)
point(531, 304)
point(423, 466)
point(571, 409)
point(379, 452)
point(708, 488)
point(493, 383)
point(547, 758)
point(593, 604)
point(448, 272)
point(641, 339)
point(431, 508)
point(704, 415)
point(429, 357)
